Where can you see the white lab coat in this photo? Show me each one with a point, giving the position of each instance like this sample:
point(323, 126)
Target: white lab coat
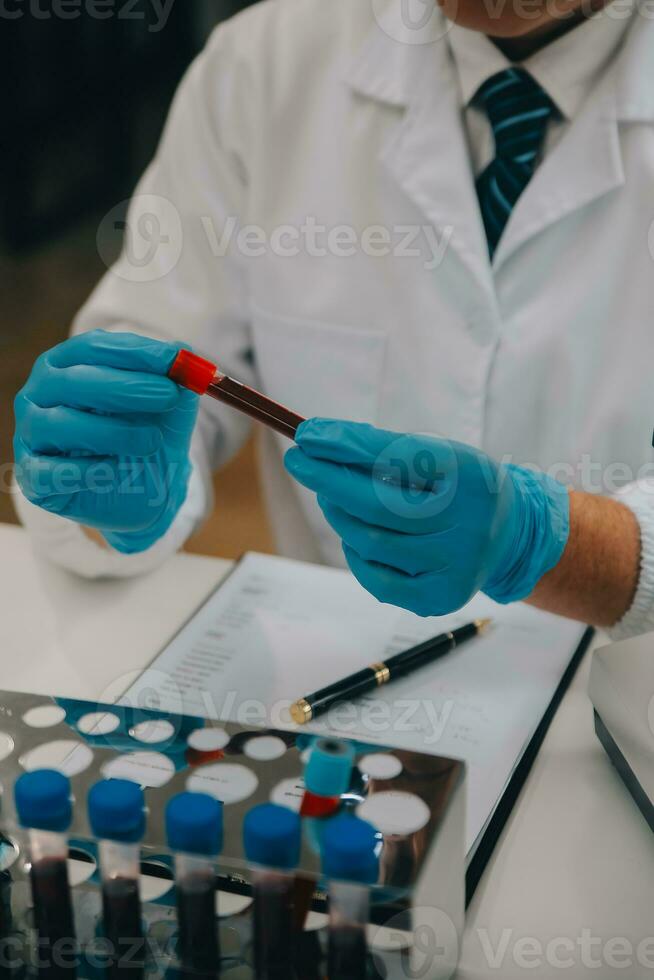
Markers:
point(304, 113)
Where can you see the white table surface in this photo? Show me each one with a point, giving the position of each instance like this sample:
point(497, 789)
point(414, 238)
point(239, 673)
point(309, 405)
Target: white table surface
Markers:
point(574, 867)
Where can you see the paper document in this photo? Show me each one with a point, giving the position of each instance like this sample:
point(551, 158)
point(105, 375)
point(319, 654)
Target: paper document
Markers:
point(277, 630)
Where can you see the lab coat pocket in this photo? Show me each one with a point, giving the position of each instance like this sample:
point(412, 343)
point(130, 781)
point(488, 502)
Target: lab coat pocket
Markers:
point(319, 368)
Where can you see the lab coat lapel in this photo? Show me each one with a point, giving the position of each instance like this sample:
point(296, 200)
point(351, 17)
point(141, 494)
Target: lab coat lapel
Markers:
point(430, 160)
point(585, 165)
point(588, 163)
point(428, 156)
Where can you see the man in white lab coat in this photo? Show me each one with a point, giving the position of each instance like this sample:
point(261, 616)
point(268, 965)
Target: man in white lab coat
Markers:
point(342, 213)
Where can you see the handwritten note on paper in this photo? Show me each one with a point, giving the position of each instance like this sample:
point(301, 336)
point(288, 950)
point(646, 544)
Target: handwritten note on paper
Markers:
point(277, 630)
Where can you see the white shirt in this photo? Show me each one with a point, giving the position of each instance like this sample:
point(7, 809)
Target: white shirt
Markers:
point(317, 209)
point(567, 69)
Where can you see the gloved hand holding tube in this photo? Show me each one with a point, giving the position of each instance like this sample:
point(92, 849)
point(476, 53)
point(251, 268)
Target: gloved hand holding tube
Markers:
point(103, 435)
point(103, 432)
point(427, 523)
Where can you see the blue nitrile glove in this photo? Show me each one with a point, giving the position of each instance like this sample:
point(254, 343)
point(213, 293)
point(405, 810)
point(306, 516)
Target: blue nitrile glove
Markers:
point(427, 523)
point(102, 436)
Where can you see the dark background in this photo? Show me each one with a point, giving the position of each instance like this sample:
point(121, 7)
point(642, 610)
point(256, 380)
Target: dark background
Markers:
point(84, 103)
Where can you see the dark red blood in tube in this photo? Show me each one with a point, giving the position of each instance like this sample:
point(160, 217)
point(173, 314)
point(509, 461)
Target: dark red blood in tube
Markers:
point(203, 377)
point(53, 917)
point(122, 928)
point(200, 757)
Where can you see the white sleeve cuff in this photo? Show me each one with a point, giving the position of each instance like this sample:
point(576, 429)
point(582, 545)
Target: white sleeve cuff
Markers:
point(64, 543)
point(639, 498)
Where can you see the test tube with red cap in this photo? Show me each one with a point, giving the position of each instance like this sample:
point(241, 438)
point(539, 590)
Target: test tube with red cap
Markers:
point(205, 378)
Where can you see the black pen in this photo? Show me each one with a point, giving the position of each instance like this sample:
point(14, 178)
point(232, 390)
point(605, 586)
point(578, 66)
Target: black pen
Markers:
point(399, 665)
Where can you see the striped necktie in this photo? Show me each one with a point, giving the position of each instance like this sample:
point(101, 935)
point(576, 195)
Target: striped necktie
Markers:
point(518, 110)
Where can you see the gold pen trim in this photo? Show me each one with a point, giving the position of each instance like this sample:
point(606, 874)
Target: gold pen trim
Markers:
point(382, 673)
point(301, 712)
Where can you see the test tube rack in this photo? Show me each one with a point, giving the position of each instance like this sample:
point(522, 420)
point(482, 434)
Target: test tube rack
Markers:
point(415, 800)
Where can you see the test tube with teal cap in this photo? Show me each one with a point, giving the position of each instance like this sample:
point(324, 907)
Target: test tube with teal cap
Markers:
point(327, 776)
point(44, 807)
point(272, 837)
point(194, 827)
point(350, 860)
point(116, 809)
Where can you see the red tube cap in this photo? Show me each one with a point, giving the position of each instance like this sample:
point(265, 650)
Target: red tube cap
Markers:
point(193, 372)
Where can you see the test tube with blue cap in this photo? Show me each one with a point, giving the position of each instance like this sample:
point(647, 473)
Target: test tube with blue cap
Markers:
point(116, 810)
point(194, 827)
point(350, 861)
point(43, 804)
point(272, 838)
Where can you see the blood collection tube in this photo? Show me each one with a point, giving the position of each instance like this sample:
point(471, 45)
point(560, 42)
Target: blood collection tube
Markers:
point(205, 378)
point(194, 827)
point(350, 861)
point(43, 804)
point(5, 906)
point(6, 849)
point(116, 810)
point(327, 776)
point(272, 838)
